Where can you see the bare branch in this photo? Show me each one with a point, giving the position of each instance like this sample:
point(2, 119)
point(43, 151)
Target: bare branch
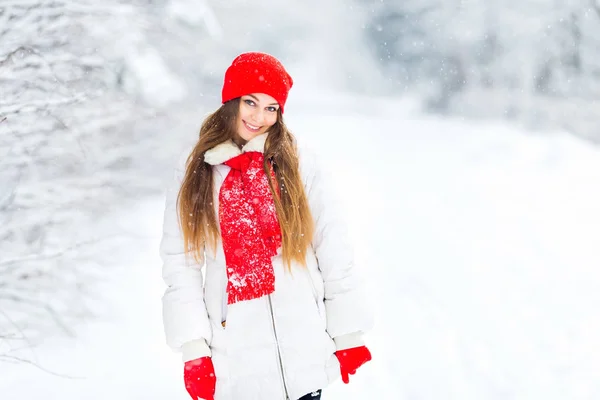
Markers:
point(10, 55)
point(31, 50)
point(25, 361)
point(58, 254)
point(59, 321)
point(41, 105)
point(23, 335)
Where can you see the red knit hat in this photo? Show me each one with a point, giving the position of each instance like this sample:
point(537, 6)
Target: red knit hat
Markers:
point(257, 73)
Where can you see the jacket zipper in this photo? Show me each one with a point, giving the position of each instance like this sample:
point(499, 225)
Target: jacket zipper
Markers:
point(287, 396)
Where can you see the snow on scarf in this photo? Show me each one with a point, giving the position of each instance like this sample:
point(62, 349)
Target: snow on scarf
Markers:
point(249, 228)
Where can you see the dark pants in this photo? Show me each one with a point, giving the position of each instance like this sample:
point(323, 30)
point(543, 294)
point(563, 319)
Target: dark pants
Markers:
point(312, 396)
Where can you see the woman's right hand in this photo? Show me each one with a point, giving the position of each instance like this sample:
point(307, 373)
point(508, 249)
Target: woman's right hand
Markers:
point(200, 379)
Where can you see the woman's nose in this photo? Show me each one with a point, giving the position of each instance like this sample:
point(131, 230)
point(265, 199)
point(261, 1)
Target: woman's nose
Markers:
point(257, 117)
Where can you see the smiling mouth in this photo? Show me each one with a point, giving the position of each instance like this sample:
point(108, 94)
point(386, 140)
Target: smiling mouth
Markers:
point(251, 128)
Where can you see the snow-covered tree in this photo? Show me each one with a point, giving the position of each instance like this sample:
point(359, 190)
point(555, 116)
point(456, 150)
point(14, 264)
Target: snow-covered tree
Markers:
point(521, 59)
point(78, 78)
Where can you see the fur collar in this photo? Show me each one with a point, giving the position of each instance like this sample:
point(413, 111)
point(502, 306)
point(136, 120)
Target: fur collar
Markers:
point(227, 150)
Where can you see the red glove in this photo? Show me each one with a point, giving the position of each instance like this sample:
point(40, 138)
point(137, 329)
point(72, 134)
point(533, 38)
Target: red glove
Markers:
point(200, 379)
point(351, 360)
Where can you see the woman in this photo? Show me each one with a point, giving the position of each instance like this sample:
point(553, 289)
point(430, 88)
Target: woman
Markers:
point(278, 313)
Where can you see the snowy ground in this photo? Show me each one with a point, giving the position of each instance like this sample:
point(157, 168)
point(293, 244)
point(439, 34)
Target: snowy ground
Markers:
point(481, 248)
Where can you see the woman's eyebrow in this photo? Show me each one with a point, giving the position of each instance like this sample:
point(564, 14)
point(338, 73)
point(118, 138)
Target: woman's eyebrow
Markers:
point(258, 101)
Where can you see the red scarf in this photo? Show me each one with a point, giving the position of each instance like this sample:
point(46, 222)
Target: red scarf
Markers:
point(249, 228)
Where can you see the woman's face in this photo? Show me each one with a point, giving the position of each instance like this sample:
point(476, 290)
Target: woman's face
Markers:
point(258, 112)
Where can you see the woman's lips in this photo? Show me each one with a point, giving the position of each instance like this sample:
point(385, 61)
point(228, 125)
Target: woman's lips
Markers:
point(251, 128)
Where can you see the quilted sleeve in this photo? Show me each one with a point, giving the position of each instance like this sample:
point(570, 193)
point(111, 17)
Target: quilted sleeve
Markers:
point(345, 301)
point(185, 317)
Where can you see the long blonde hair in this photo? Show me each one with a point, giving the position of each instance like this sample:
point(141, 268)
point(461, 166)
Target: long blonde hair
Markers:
point(195, 200)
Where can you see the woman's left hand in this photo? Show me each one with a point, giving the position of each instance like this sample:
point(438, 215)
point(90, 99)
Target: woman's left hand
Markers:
point(200, 379)
point(352, 359)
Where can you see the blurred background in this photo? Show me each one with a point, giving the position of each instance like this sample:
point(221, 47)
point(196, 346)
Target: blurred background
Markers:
point(97, 99)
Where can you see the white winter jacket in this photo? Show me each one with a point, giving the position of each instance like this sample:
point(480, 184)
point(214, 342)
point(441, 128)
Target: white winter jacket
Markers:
point(276, 347)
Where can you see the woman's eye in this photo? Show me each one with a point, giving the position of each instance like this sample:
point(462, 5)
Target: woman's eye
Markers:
point(272, 109)
point(249, 102)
